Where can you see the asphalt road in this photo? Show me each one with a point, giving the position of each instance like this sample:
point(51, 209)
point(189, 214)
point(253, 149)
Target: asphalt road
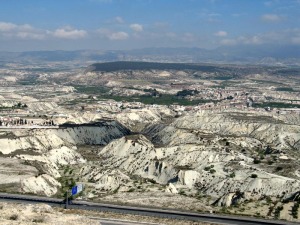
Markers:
point(165, 213)
point(105, 221)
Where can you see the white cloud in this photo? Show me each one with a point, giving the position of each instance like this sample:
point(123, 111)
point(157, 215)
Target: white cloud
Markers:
point(221, 33)
point(254, 40)
point(119, 19)
point(112, 35)
point(288, 36)
point(7, 26)
point(26, 27)
point(170, 35)
point(24, 31)
point(295, 36)
point(209, 16)
point(28, 35)
point(271, 3)
point(118, 36)
point(69, 33)
point(296, 40)
point(246, 40)
point(136, 27)
point(271, 18)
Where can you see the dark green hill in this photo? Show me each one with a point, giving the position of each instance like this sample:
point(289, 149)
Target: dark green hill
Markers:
point(126, 65)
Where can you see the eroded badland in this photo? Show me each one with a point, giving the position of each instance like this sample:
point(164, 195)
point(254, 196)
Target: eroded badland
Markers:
point(201, 137)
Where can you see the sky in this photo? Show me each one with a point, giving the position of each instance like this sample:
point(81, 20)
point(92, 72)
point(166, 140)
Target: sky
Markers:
point(30, 25)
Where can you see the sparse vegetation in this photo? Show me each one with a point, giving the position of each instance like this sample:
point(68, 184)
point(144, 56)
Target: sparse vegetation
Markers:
point(184, 141)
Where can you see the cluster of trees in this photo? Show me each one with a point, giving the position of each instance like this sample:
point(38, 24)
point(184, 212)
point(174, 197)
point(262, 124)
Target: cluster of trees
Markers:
point(25, 122)
point(185, 93)
point(295, 209)
point(20, 105)
point(153, 92)
point(15, 122)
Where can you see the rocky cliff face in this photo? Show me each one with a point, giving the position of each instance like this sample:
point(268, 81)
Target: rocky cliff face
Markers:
point(137, 155)
point(45, 139)
point(50, 149)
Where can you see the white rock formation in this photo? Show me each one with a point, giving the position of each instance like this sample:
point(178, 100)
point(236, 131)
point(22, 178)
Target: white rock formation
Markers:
point(41, 185)
point(43, 140)
point(171, 189)
point(213, 172)
point(12, 171)
point(260, 127)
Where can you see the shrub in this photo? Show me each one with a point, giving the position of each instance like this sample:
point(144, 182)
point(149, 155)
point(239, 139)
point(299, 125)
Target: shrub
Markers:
point(232, 175)
point(207, 168)
point(212, 171)
point(253, 175)
point(181, 192)
point(268, 199)
point(38, 220)
point(13, 217)
point(131, 190)
point(256, 161)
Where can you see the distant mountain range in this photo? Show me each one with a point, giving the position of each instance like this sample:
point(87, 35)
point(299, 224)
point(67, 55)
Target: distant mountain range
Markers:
point(266, 54)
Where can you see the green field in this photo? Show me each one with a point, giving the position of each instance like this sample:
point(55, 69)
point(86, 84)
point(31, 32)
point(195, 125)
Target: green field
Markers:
point(92, 90)
point(102, 93)
point(163, 100)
